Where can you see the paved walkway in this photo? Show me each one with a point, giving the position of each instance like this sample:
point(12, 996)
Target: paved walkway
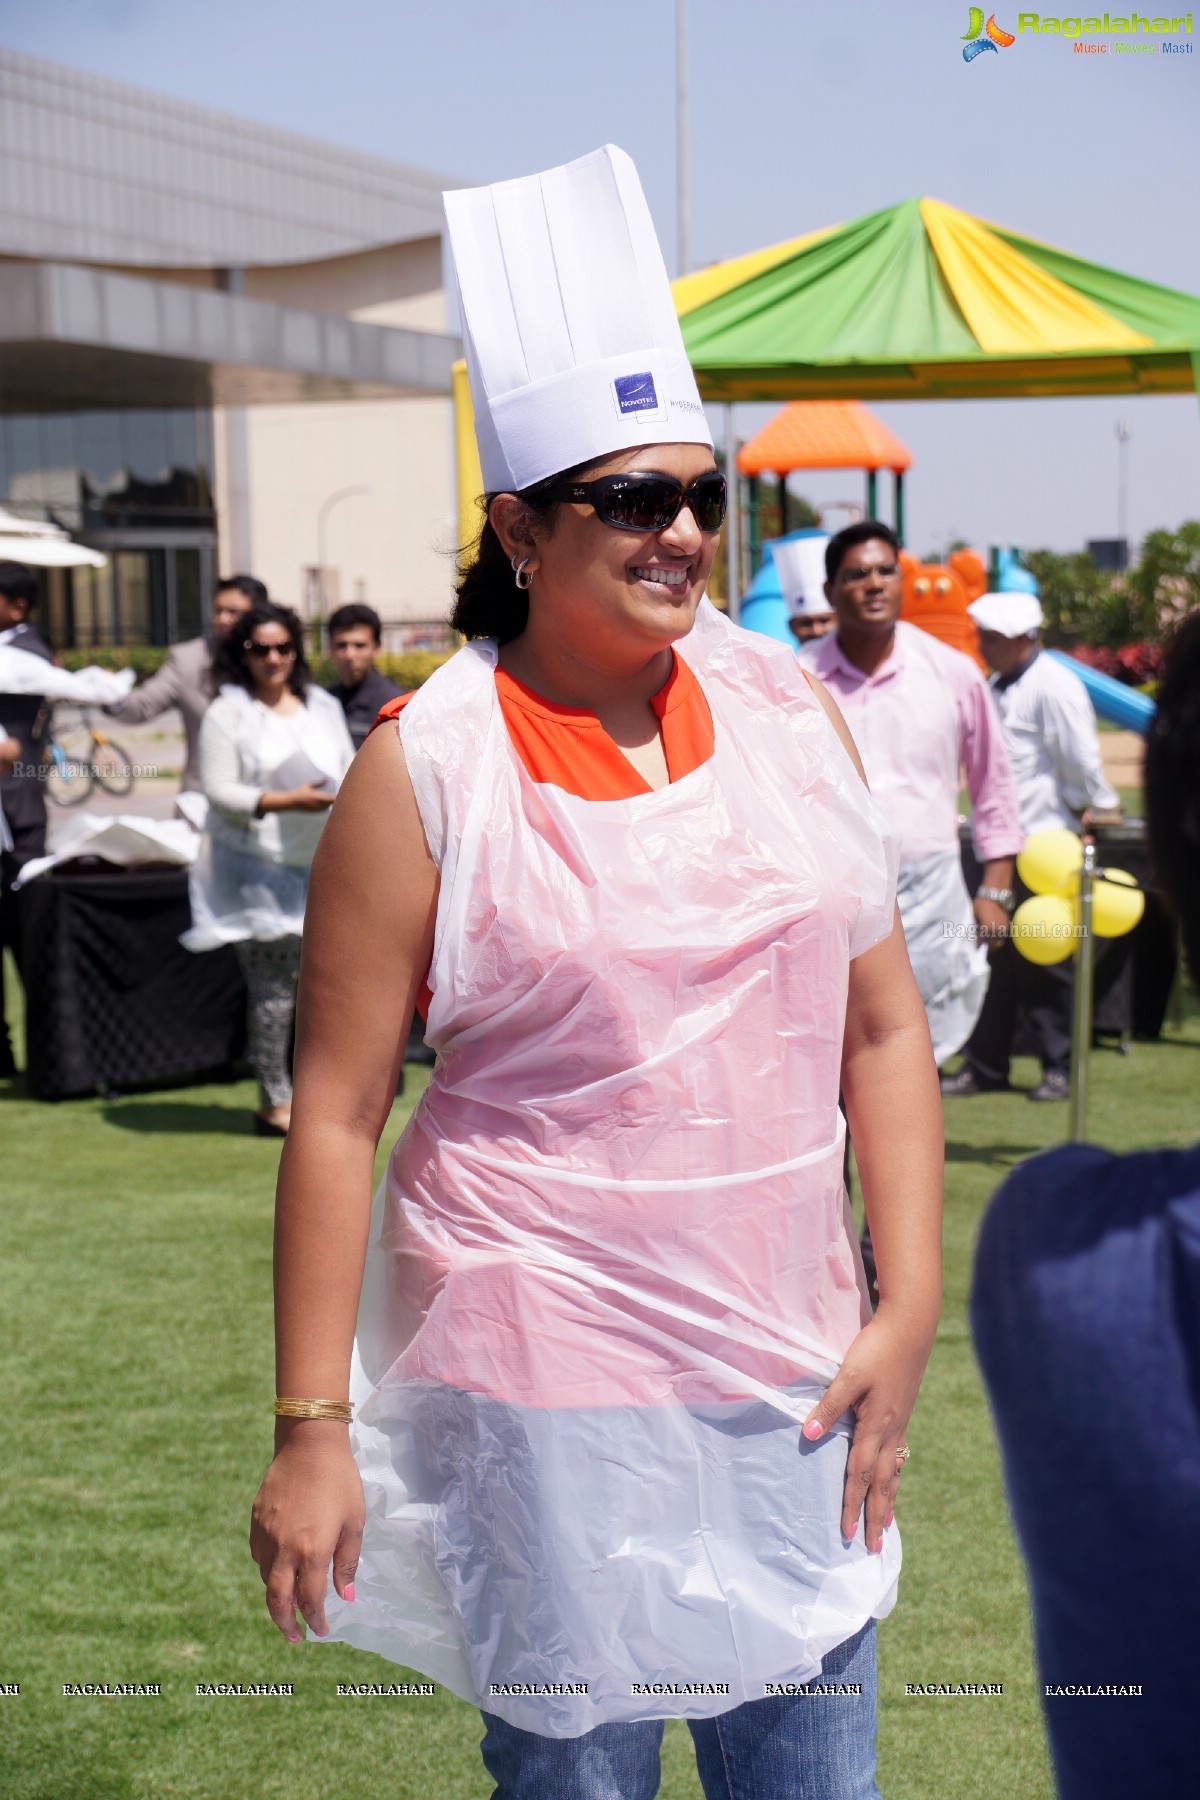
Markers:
point(156, 745)
point(1122, 753)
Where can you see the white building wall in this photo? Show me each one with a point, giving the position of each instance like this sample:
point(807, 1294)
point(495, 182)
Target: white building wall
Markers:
point(95, 170)
point(393, 546)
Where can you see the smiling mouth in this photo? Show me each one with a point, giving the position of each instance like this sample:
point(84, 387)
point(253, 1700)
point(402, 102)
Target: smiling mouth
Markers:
point(674, 579)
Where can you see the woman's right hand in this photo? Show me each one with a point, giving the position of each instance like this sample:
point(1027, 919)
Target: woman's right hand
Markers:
point(309, 799)
point(309, 1511)
point(301, 799)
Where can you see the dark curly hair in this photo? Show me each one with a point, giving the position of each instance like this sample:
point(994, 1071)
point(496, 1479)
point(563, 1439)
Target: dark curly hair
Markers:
point(230, 665)
point(489, 603)
point(1172, 784)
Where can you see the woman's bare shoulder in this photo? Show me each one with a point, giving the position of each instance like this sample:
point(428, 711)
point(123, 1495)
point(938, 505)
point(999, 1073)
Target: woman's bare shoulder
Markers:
point(376, 815)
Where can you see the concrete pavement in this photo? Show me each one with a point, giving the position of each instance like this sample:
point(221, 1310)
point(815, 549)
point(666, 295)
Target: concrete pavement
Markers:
point(159, 745)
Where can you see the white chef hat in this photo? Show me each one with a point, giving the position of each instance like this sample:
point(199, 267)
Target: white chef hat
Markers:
point(800, 565)
point(572, 341)
point(1012, 615)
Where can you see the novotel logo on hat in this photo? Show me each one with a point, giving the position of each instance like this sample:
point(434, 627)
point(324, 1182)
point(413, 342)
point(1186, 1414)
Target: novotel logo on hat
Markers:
point(636, 393)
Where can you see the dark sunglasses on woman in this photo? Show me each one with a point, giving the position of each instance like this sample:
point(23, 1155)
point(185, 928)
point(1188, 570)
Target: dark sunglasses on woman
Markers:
point(649, 502)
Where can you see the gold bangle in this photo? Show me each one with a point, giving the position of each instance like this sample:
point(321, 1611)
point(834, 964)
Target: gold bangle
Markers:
point(315, 1409)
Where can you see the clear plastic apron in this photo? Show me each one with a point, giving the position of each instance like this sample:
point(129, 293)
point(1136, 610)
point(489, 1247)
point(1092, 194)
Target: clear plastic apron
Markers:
point(612, 1264)
point(950, 968)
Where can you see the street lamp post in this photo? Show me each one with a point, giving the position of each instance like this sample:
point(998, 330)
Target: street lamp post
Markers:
point(323, 513)
point(681, 136)
point(1123, 436)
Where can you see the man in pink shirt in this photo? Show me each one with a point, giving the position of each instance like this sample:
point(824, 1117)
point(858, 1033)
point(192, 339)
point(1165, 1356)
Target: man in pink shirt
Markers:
point(921, 713)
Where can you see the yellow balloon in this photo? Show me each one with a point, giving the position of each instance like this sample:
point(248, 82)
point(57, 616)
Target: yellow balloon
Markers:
point(1117, 904)
point(1049, 860)
point(1043, 929)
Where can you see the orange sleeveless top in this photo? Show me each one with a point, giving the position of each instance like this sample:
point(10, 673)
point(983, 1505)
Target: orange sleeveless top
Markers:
point(568, 747)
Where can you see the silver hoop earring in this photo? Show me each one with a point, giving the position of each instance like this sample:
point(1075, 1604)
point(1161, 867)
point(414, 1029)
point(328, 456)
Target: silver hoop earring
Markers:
point(521, 575)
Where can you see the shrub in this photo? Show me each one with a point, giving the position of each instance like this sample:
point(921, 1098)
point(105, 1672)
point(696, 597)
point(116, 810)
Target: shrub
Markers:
point(145, 659)
point(1137, 665)
point(407, 668)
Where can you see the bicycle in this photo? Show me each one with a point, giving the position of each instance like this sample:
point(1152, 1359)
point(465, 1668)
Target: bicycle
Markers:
point(80, 758)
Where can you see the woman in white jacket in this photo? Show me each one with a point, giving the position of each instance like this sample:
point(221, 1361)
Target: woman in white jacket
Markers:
point(273, 750)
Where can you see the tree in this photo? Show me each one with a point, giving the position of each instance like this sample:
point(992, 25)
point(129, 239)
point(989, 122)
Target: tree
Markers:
point(1073, 593)
point(1166, 582)
point(1086, 605)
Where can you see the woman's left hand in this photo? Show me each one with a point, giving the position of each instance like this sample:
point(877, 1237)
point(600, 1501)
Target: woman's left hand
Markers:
point(878, 1382)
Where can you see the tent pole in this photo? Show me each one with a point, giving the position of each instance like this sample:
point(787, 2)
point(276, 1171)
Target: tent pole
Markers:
point(899, 519)
point(872, 494)
point(733, 522)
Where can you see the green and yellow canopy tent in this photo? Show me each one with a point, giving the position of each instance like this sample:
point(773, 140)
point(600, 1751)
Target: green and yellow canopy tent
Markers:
point(922, 302)
point(917, 302)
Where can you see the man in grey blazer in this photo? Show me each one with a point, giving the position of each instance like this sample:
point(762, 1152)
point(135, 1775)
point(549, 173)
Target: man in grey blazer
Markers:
point(185, 679)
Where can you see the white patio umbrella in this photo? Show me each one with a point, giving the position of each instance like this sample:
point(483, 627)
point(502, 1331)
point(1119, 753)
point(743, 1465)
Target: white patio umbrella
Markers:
point(43, 546)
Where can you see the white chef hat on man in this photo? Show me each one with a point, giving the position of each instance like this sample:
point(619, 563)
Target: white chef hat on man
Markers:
point(572, 341)
point(800, 565)
point(1012, 615)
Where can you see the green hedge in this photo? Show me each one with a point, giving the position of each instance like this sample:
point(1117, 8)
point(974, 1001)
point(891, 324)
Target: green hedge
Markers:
point(408, 670)
point(145, 658)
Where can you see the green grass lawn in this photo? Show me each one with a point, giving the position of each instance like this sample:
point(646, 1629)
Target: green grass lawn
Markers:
point(135, 1333)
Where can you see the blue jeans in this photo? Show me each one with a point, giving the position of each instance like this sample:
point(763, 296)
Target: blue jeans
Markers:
point(794, 1747)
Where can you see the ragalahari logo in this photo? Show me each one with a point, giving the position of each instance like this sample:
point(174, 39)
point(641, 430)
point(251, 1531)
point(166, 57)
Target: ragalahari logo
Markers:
point(981, 37)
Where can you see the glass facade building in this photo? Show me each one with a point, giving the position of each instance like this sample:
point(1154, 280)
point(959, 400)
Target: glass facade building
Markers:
point(210, 330)
point(137, 485)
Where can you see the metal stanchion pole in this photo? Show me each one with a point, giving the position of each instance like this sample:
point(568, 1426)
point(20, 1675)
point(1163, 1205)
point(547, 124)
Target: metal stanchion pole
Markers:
point(1081, 1022)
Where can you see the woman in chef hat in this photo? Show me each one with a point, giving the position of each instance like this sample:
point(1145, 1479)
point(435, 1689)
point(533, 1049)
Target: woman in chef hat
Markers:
point(625, 1437)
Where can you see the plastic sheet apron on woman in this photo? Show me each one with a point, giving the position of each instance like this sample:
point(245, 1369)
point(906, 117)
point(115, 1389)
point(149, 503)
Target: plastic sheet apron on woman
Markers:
point(250, 879)
point(612, 1264)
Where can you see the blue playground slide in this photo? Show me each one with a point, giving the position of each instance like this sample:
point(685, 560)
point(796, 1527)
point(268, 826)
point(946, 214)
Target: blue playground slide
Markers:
point(1113, 701)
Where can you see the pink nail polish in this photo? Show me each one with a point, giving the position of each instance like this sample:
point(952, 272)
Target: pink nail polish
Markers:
point(888, 1520)
point(851, 1533)
point(813, 1430)
point(349, 1594)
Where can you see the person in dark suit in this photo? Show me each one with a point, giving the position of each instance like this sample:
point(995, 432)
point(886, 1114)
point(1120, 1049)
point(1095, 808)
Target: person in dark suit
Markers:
point(22, 796)
point(355, 636)
point(186, 677)
point(1086, 1317)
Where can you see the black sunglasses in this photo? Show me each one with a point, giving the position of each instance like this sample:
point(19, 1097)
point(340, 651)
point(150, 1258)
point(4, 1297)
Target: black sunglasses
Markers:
point(262, 651)
point(649, 502)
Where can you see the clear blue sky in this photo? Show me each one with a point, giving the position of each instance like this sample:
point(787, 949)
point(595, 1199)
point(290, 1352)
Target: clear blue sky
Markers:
point(804, 113)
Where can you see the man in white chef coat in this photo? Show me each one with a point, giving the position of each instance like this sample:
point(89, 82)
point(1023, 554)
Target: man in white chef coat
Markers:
point(1050, 730)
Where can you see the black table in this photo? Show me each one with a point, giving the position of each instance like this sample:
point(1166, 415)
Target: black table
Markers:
point(112, 999)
